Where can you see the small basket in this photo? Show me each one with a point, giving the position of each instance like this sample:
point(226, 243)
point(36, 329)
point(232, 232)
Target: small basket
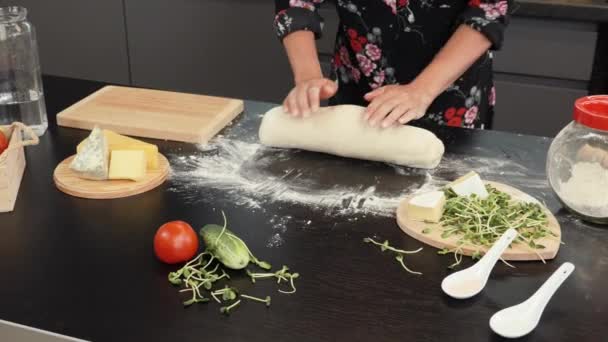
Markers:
point(12, 163)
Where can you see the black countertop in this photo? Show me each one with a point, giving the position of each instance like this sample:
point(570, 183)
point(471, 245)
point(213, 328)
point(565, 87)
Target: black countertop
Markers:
point(86, 268)
point(578, 10)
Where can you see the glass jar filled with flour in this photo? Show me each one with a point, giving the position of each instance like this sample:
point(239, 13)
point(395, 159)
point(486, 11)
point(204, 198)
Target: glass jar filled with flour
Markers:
point(577, 163)
point(21, 95)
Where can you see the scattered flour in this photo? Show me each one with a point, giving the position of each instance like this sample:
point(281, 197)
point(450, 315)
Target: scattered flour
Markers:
point(246, 173)
point(231, 167)
point(279, 227)
point(276, 240)
point(587, 189)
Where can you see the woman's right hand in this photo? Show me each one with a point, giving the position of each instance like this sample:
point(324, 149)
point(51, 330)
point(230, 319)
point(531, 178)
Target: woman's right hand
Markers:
point(305, 98)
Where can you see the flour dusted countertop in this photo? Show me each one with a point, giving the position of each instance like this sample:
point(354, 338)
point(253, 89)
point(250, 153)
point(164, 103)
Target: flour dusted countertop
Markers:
point(86, 268)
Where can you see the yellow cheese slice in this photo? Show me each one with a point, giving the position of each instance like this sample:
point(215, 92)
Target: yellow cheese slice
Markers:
point(121, 142)
point(127, 164)
point(426, 207)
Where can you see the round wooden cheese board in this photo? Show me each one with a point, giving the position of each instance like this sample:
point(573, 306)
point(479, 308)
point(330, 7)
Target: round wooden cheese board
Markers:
point(69, 182)
point(515, 252)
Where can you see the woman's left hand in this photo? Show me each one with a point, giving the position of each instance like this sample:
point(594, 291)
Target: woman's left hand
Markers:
point(396, 104)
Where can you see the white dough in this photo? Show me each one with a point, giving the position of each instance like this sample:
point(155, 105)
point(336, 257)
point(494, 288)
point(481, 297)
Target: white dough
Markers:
point(342, 130)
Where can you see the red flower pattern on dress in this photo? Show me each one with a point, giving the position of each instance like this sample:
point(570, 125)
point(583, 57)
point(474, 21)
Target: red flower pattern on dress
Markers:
point(453, 115)
point(495, 10)
point(471, 115)
point(362, 40)
point(474, 3)
point(352, 33)
point(344, 57)
point(337, 60)
point(356, 46)
point(455, 121)
point(450, 113)
point(403, 3)
point(378, 79)
point(365, 64)
point(355, 73)
point(373, 52)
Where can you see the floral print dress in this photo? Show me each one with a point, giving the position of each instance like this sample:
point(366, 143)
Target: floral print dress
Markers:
point(381, 42)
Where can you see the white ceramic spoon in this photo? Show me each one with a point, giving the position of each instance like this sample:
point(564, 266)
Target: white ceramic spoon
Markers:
point(469, 282)
point(519, 320)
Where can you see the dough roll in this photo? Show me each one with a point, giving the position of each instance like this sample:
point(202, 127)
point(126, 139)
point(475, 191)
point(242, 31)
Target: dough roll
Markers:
point(342, 131)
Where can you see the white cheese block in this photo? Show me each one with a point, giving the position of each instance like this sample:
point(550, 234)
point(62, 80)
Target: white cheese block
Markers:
point(92, 161)
point(468, 185)
point(426, 207)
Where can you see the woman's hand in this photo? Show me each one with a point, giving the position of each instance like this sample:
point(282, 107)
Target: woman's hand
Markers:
point(306, 96)
point(396, 104)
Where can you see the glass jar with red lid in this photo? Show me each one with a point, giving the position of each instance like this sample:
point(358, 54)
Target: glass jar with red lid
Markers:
point(577, 163)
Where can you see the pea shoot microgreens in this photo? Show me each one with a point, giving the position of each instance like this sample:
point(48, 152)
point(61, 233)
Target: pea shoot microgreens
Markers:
point(198, 276)
point(399, 253)
point(281, 275)
point(481, 222)
point(205, 270)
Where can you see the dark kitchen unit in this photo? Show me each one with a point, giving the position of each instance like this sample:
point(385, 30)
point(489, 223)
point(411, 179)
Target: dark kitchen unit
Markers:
point(552, 53)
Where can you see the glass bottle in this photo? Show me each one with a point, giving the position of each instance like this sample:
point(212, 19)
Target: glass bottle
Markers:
point(577, 162)
point(21, 92)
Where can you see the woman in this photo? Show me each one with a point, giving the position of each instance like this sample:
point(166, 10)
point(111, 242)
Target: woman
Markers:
point(403, 59)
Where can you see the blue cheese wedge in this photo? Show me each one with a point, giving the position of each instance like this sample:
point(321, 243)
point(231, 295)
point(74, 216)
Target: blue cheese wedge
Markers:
point(426, 207)
point(92, 161)
point(469, 184)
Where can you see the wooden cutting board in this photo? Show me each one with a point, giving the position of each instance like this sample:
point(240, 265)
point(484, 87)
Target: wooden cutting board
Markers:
point(515, 252)
point(69, 182)
point(152, 113)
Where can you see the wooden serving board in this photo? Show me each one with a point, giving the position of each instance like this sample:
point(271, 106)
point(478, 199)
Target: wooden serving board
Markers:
point(152, 113)
point(515, 252)
point(69, 182)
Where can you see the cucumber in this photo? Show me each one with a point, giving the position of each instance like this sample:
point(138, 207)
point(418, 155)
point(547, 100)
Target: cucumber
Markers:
point(230, 251)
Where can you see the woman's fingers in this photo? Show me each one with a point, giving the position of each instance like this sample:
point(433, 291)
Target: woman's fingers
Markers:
point(382, 111)
point(375, 105)
point(394, 115)
point(328, 89)
point(302, 101)
point(286, 108)
point(313, 98)
point(292, 104)
point(372, 107)
point(305, 98)
point(407, 117)
point(374, 93)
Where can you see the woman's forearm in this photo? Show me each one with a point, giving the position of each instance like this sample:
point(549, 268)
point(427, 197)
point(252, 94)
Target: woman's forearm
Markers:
point(303, 57)
point(460, 52)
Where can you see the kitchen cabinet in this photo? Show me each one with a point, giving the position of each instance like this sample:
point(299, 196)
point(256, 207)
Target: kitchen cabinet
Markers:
point(544, 66)
point(80, 38)
point(218, 47)
point(529, 106)
point(548, 48)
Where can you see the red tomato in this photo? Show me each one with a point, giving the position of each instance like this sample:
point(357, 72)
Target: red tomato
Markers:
point(3, 142)
point(175, 242)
